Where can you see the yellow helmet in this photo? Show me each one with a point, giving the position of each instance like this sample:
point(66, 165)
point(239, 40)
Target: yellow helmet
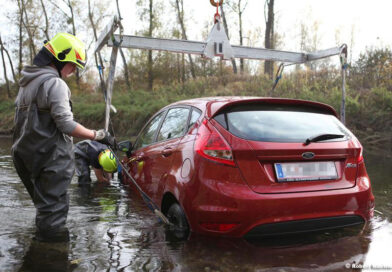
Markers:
point(107, 160)
point(67, 48)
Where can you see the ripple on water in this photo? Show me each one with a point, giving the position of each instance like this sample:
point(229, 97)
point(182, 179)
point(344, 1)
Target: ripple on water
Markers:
point(112, 229)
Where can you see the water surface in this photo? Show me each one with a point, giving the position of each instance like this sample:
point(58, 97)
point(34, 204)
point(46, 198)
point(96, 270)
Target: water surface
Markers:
point(113, 230)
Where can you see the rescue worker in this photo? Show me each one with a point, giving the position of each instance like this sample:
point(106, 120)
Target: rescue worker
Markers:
point(99, 157)
point(42, 147)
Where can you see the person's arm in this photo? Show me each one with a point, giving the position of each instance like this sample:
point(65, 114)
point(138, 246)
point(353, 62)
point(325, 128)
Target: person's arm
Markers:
point(83, 133)
point(108, 175)
point(100, 175)
point(60, 109)
point(58, 100)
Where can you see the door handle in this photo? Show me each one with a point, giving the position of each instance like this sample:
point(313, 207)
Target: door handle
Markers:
point(167, 152)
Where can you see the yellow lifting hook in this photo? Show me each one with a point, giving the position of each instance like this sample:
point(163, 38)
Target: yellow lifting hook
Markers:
point(219, 3)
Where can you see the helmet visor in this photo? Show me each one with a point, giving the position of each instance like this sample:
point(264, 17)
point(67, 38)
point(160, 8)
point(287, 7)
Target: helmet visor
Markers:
point(80, 61)
point(83, 70)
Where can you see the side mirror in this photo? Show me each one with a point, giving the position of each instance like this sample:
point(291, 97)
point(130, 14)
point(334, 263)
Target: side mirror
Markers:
point(125, 146)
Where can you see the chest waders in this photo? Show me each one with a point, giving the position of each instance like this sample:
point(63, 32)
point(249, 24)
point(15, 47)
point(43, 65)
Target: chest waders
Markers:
point(44, 160)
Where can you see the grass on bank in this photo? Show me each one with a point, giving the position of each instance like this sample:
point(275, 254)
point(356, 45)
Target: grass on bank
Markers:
point(368, 111)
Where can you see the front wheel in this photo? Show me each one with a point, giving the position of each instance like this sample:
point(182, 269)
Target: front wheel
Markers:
point(177, 217)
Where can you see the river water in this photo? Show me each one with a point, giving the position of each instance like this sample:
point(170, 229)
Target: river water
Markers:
point(112, 230)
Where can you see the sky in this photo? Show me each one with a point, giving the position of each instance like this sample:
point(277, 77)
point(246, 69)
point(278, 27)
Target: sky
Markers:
point(367, 21)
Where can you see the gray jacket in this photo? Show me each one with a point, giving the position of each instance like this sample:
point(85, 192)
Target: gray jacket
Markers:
point(42, 151)
point(54, 95)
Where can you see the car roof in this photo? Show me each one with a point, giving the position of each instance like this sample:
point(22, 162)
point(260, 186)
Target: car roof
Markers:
point(212, 105)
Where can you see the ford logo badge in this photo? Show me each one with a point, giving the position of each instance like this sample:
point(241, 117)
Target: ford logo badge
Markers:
point(308, 155)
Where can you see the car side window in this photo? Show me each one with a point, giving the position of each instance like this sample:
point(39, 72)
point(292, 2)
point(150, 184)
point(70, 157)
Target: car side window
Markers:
point(147, 135)
point(194, 117)
point(175, 124)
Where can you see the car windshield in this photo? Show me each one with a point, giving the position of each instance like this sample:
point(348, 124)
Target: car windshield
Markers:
point(280, 123)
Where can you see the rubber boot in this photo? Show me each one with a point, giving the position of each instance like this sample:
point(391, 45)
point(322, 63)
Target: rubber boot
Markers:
point(58, 235)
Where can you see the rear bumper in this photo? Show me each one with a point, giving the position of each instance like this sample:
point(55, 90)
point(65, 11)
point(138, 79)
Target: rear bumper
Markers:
point(259, 214)
point(307, 225)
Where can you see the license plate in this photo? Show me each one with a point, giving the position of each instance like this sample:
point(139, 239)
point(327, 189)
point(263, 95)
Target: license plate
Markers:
point(305, 171)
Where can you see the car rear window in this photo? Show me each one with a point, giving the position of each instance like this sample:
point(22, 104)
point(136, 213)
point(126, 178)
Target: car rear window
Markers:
point(279, 123)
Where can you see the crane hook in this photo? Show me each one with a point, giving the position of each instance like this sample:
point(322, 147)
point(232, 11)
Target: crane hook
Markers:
point(218, 3)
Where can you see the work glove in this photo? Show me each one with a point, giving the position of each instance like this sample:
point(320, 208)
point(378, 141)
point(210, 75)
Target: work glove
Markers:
point(104, 137)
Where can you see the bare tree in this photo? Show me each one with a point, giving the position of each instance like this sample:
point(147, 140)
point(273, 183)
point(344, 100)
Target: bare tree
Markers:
point(239, 7)
point(150, 30)
point(303, 42)
point(72, 19)
point(27, 26)
point(310, 40)
point(147, 12)
point(20, 26)
point(94, 27)
point(234, 64)
point(180, 16)
point(46, 30)
point(5, 69)
point(180, 61)
point(269, 35)
point(126, 73)
point(10, 61)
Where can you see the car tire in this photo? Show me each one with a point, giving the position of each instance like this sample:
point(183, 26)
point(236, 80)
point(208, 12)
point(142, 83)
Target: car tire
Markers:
point(176, 216)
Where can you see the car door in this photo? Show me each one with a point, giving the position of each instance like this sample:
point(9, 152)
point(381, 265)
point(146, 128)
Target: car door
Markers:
point(173, 128)
point(140, 162)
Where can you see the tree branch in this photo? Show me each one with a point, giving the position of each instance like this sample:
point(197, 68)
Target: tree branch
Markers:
point(54, 4)
point(46, 30)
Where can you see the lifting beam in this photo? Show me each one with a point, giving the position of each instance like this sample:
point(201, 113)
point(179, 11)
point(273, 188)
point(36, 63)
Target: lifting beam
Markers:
point(216, 45)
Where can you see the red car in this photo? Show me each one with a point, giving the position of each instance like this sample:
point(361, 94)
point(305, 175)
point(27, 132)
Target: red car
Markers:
point(250, 167)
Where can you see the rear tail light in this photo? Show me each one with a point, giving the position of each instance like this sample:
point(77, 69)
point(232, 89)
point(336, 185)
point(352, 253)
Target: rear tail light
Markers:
point(218, 226)
point(211, 145)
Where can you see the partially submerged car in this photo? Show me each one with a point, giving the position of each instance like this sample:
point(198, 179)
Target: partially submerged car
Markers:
point(251, 167)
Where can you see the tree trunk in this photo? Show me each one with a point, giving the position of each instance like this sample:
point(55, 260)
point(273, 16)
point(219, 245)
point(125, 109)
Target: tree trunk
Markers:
point(5, 69)
point(241, 36)
point(10, 61)
point(126, 73)
point(180, 15)
point(183, 68)
point(149, 64)
point(233, 63)
point(72, 18)
point(101, 78)
point(20, 65)
point(26, 24)
point(239, 8)
point(178, 68)
point(46, 30)
point(269, 38)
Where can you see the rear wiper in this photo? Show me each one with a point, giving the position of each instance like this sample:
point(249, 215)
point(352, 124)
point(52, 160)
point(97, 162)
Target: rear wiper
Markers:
point(322, 137)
